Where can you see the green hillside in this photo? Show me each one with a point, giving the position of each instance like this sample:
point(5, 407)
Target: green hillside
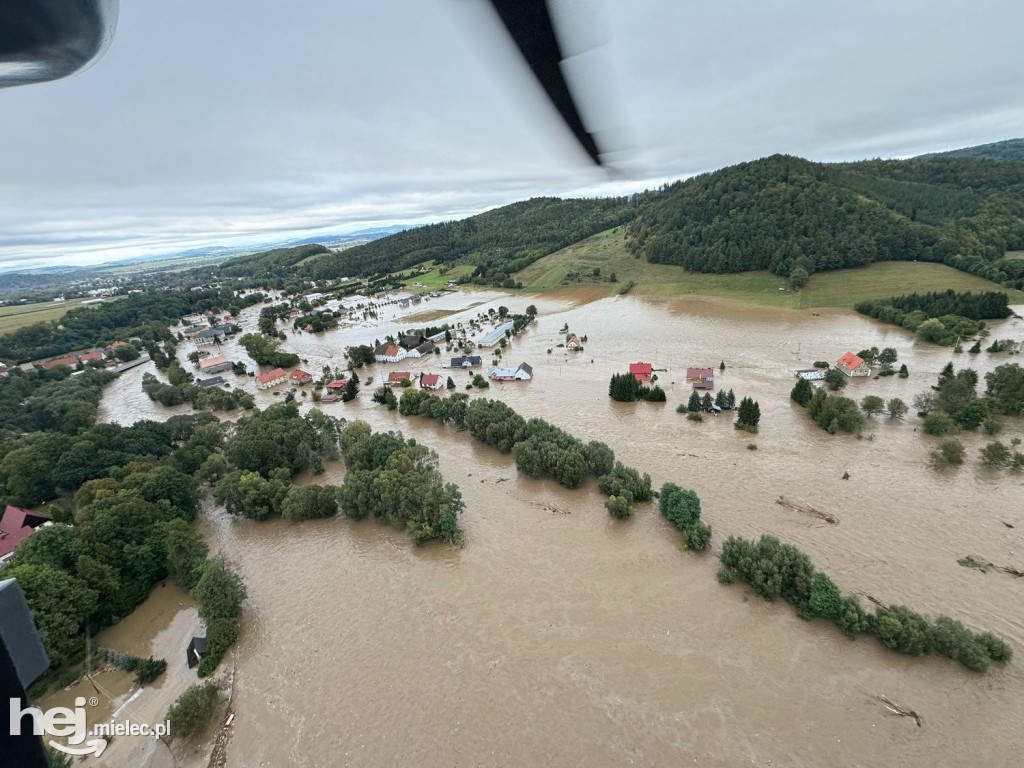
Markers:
point(785, 214)
point(782, 215)
point(498, 243)
point(1009, 151)
point(571, 270)
point(270, 263)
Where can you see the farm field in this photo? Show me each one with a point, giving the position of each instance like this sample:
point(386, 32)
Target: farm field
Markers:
point(14, 317)
point(573, 267)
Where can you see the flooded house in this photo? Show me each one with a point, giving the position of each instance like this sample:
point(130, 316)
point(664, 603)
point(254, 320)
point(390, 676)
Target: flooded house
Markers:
point(426, 348)
point(431, 381)
point(395, 378)
point(701, 378)
point(641, 371)
point(523, 372)
point(195, 652)
point(389, 353)
point(271, 379)
point(213, 381)
point(494, 336)
point(215, 365)
point(853, 365)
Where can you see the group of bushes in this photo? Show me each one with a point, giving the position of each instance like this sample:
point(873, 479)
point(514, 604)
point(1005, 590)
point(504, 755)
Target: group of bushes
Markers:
point(775, 569)
point(265, 351)
point(251, 495)
point(682, 508)
point(833, 413)
point(146, 670)
point(953, 405)
point(210, 398)
point(397, 481)
point(625, 388)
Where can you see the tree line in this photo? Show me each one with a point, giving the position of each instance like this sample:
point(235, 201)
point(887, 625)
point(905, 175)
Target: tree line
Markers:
point(939, 317)
point(774, 569)
point(625, 388)
point(145, 315)
point(539, 448)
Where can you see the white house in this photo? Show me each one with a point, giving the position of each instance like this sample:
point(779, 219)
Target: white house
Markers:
point(271, 379)
point(522, 373)
point(389, 353)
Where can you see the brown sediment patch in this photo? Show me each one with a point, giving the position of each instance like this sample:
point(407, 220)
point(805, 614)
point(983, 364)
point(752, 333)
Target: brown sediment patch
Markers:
point(436, 314)
point(578, 295)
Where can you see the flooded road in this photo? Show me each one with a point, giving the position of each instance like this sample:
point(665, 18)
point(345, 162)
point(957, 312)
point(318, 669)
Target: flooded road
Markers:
point(559, 636)
point(154, 629)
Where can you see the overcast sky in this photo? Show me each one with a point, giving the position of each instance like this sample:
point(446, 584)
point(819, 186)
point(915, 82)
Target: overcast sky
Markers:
point(234, 122)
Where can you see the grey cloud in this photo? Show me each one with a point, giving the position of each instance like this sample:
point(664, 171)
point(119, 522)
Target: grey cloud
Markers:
point(210, 123)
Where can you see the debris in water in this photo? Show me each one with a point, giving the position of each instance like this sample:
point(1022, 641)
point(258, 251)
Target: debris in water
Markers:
point(982, 565)
point(807, 509)
point(896, 709)
point(846, 475)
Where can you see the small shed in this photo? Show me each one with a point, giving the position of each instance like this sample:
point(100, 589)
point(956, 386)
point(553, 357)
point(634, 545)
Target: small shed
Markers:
point(196, 651)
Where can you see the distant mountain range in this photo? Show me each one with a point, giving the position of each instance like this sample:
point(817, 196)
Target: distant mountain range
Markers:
point(329, 240)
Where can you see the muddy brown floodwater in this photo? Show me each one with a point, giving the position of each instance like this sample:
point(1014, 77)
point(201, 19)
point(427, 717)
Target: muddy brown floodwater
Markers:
point(559, 636)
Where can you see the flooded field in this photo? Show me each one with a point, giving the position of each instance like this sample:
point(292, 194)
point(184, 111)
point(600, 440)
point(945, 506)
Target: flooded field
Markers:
point(559, 636)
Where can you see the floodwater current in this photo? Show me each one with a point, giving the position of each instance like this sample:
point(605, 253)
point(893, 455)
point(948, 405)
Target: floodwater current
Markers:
point(559, 636)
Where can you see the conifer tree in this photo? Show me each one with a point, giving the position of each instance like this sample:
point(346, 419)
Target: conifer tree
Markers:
point(802, 392)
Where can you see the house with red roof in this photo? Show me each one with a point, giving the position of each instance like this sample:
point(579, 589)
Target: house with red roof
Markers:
point(853, 365)
point(16, 525)
point(395, 378)
point(271, 379)
point(701, 378)
point(337, 385)
point(389, 353)
point(91, 357)
point(431, 381)
point(299, 376)
point(69, 361)
point(641, 371)
point(573, 343)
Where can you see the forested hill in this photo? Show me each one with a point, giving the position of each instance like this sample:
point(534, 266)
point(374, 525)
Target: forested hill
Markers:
point(270, 262)
point(795, 217)
point(780, 213)
point(1009, 151)
point(499, 242)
